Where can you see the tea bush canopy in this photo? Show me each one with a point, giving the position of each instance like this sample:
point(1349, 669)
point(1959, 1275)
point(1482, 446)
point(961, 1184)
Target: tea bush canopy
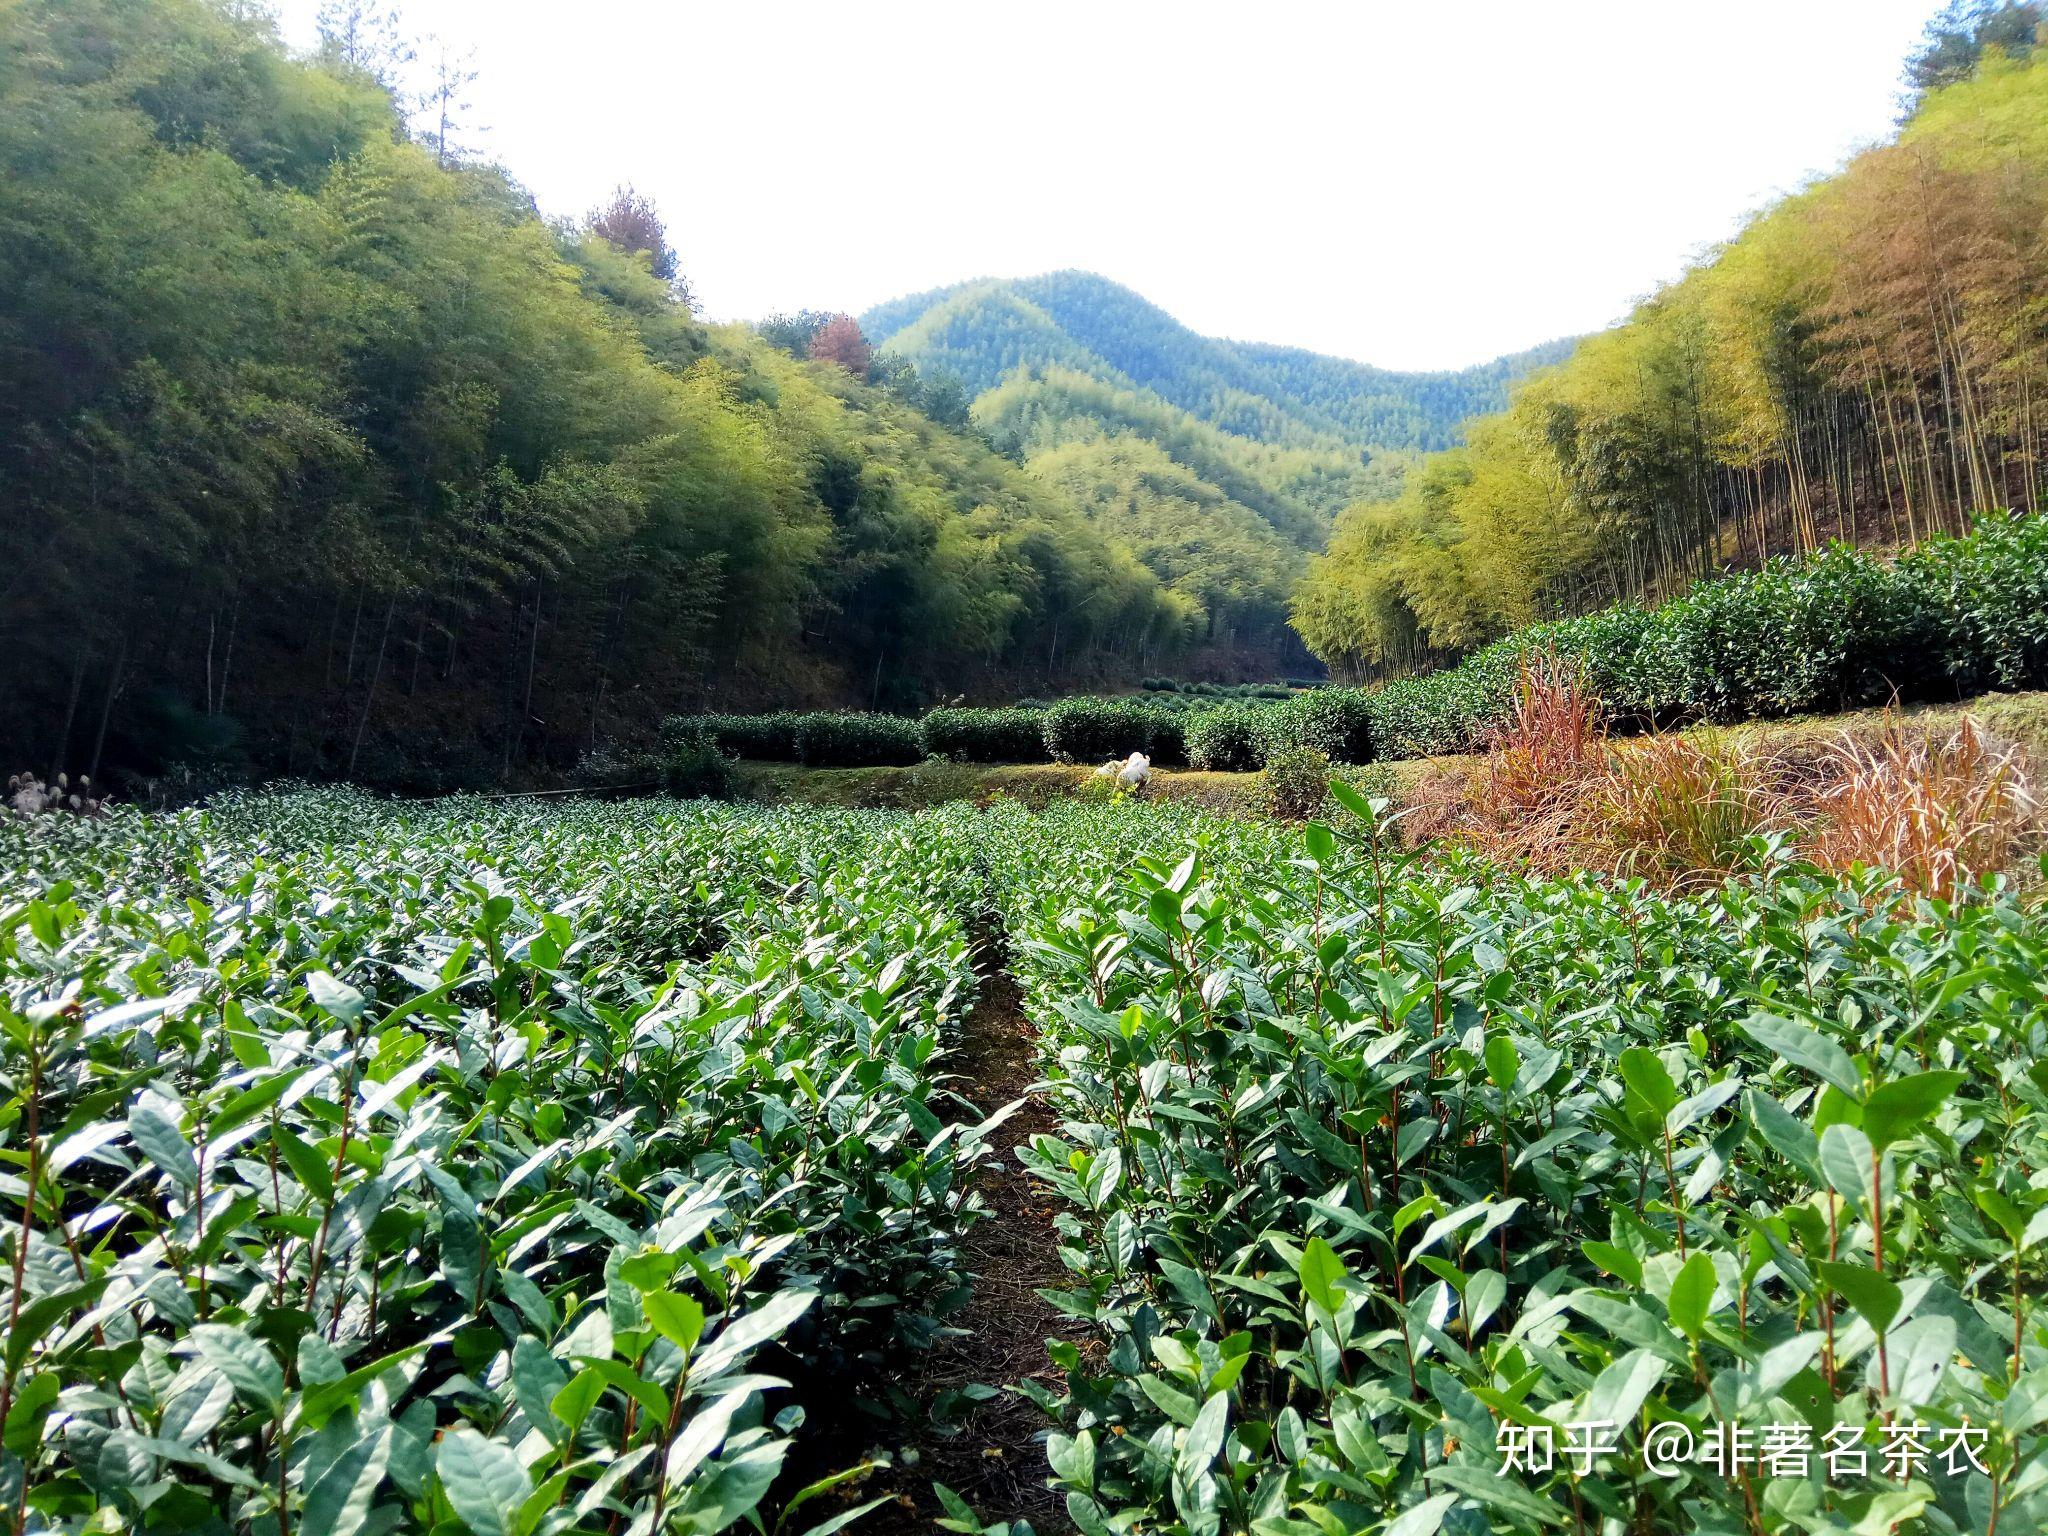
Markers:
point(488, 1166)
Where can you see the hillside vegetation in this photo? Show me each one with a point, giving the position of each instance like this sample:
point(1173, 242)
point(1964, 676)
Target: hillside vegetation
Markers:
point(981, 331)
point(1866, 360)
point(321, 451)
point(1220, 464)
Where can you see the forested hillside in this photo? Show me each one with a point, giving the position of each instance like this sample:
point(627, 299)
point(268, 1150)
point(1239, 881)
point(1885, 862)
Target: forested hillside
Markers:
point(321, 451)
point(1282, 395)
point(1867, 360)
point(1220, 464)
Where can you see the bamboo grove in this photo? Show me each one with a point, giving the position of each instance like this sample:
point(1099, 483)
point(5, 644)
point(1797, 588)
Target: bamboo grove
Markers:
point(1867, 360)
point(321, 451)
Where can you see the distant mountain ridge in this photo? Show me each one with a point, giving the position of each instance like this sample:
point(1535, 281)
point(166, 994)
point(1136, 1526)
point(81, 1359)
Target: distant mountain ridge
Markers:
point(1220, 464)
point(980, 331)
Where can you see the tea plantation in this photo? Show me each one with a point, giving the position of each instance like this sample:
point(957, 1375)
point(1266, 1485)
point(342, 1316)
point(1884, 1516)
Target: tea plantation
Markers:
point(374, 1167)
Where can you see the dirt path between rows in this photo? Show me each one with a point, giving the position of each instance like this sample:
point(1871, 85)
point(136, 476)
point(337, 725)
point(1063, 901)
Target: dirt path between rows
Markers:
point(991, 1452)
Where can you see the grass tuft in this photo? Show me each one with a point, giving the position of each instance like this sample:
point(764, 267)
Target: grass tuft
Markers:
point(1553, 742)
point(1679, 810)
point(1936, 811)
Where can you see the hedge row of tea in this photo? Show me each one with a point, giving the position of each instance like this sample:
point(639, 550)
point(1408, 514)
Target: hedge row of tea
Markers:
point(1949, 618)
point(1403, 1198)
point(1235, 736)
point(524, 1173)
point(468, 1169)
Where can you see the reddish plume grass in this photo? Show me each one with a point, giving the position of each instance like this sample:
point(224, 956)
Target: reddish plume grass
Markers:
point(1553, 742)
point(1935, 811)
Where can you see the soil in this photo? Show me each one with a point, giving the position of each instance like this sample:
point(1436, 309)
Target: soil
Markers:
point(992, 1452)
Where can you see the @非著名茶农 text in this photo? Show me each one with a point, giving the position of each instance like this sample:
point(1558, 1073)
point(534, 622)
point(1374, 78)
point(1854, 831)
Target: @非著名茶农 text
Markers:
point(1893, 1451)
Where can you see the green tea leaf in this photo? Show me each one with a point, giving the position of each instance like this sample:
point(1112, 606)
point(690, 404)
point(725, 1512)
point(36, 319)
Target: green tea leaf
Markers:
point(1321, 1274)
point(1895, 1110)
point(1805, 1048)
point(1692, 1295)
point(485, 1483)
point(1871, 1294)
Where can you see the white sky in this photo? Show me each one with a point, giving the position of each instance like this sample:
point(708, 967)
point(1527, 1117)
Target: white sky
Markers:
point(1413, 185)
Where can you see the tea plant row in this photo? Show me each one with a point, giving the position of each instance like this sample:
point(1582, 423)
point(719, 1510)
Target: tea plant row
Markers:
point(375, 1168)
point(1376, 1176)
point(466, 1168)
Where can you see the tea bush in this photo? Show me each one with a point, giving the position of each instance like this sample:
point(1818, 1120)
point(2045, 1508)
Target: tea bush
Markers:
point(1337, 722)
point(375, 1167)
point(1228, 739)
point(686, 764)
point(858, 741)
point(692, 767)
point(1086, 730)
point(769, 738)
point(372, 1172)
point(1011, 735)
point(1842, 628)
point(1296, 783)
point(1379, 1176)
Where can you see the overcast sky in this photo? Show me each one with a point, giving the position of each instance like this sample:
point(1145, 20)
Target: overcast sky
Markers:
point(1413, 185)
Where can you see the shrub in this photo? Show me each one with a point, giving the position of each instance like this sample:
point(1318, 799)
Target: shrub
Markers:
point(573, 1149)
point(1833, 630)
point(1091, 730)
point(1336, 722)
point(1013, 735)
point(858, 741)
point(1169, 740)
point(1414, 717)
point(1229, 739)
point(690, 764)
point(1986, 598)
point(769, 738)
point(687, 765)
point(1628, 660)
point(1297, 783)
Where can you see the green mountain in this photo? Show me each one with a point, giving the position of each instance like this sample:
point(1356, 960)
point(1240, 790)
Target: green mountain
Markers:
point(980, 331)
point(1220, 463)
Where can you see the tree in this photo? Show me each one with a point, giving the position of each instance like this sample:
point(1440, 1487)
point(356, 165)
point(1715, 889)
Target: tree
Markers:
point(793, 333)
point(366, 37)
point(1958, 35)
point(944, 399)
point(630, 222)
point(839, 341)
point(322, 453)
point(445, 102)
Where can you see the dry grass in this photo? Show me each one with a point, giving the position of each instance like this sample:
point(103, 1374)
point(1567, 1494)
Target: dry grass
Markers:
point(1553, 795)
point(1936, 811)
point(1552, 744)
point(1679, 810)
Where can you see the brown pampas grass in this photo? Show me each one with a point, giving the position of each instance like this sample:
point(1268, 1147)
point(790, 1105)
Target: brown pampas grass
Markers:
point(1935, 811)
